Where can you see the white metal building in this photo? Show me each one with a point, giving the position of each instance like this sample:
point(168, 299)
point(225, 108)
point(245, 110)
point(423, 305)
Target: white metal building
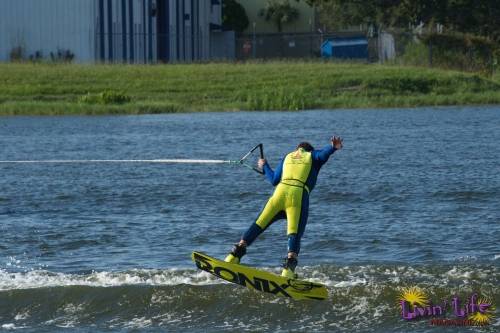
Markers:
point(131, 31)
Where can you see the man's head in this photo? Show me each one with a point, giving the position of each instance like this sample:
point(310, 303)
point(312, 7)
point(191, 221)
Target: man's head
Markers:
point(306, 146)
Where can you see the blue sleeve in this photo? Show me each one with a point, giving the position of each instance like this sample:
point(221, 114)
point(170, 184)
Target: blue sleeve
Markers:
point(322, 155)
point(274, 177)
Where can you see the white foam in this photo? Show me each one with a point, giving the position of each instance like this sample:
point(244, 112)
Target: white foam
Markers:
point(43, 279)
point(457, 273)
point(22, 315)
point(361, 306)
point(12, 326)
point(342, 277)
point(350, 283)
point(9, 326)
point(138, 323)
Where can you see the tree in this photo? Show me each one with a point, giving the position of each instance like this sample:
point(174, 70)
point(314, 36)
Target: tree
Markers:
point(480, 17)
point(279, 12)
point(470, 16)
point(234, 16)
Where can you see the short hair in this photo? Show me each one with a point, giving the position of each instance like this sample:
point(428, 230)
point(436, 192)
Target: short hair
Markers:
point(306, 146)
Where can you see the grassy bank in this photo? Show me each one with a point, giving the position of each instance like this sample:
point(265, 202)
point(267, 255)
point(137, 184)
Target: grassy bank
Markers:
point(37, 89)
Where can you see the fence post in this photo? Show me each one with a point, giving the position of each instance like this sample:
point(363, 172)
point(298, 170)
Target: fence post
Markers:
point(430, 53)
point(254, 42)
point(311, 52)
point(490, 65)
point(470, 57)
point(379, 50)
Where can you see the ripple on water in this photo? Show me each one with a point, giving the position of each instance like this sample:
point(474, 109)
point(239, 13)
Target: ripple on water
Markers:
point(407, 195)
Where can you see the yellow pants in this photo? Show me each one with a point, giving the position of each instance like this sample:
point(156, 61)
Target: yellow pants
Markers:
point(290, 202)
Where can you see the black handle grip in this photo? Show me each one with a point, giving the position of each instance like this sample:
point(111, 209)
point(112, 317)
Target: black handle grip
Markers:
point(261, 150)
point(259, 170)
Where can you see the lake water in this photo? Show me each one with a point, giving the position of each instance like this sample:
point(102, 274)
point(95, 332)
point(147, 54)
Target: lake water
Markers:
point(413, 199)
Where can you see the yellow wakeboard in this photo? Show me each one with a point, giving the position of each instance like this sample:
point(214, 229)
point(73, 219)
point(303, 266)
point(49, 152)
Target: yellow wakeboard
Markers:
point(259, 280)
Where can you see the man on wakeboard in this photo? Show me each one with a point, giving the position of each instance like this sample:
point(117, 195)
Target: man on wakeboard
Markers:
point(294, 179)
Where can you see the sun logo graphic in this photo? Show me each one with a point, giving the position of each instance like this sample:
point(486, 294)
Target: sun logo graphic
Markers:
point(415, 303)
point(485, 311)
point(473, 311)
point(414, 296)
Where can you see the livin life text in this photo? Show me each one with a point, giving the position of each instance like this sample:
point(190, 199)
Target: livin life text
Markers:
point(409, 312)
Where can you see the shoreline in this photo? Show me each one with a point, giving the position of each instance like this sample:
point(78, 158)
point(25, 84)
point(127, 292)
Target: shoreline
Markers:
point(70, 89)
point(363, 109)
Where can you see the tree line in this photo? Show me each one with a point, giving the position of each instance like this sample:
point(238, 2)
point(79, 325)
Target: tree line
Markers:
point(479, 17)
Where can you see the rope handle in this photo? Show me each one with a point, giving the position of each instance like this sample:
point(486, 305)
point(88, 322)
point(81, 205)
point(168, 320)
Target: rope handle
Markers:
point(261, 152)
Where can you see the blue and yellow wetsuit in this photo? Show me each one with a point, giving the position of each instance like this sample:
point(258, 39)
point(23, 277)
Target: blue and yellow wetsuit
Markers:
point(294, 178)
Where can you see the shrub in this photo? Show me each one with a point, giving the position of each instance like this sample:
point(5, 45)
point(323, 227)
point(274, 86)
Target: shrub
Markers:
point(465, 52)
point(17, 54)
point(105, 97)
point(416, 54)
point(36, 57)
point(402, 85)
point(62, 56)
point(281, 100)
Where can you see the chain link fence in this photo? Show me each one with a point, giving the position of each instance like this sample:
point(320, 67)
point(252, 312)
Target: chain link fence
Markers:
point(449, 50)
point(284, 45)
point(446, 50)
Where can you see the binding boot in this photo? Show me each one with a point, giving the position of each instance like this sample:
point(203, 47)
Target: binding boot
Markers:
point(237, 252)
point(289, 268)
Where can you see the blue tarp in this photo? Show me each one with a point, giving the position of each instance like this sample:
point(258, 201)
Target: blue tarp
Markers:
point(345, 48)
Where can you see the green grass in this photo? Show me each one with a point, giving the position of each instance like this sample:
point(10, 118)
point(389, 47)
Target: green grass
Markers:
point(44, 89)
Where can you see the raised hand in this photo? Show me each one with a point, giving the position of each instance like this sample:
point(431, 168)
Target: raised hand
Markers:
point(337, 142)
